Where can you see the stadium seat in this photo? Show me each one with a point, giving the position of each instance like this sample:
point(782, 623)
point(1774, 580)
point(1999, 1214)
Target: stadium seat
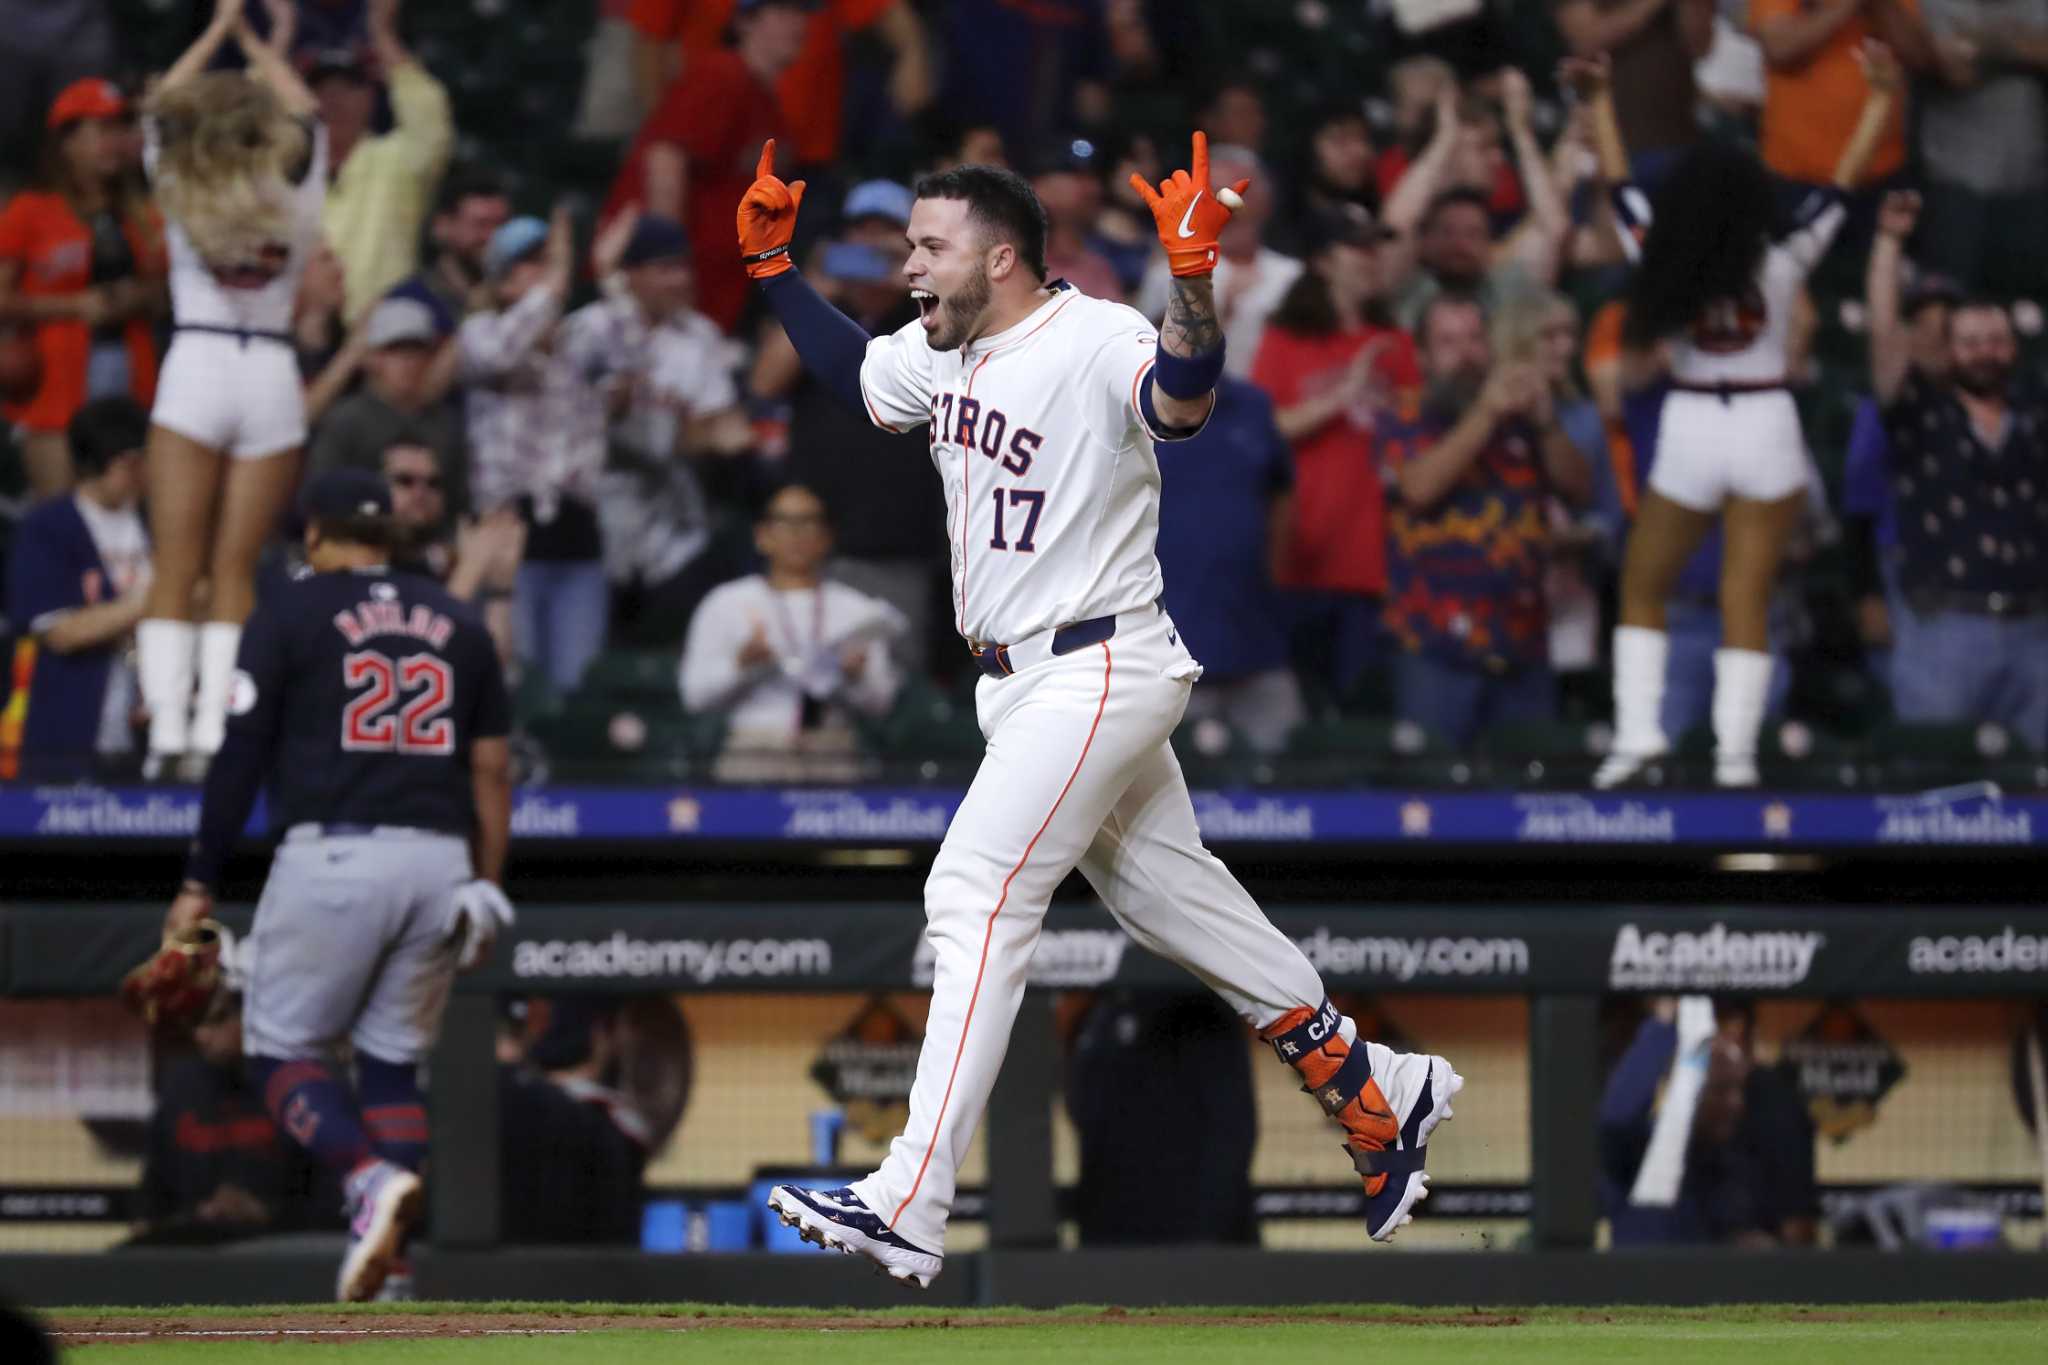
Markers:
point(924, 726)
point(534, 697)
point(632, 674)
point(1213, 753)
point(1546, 752)
point(1908, 753)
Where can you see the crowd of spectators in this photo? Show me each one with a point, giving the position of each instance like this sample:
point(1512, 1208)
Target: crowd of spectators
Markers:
point(1410, 501)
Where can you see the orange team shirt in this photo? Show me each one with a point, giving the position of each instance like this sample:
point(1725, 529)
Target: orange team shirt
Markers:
point(810, 92)
point(1338, 541)
point(51, 250)
point(1810, 111)
point(720, 116)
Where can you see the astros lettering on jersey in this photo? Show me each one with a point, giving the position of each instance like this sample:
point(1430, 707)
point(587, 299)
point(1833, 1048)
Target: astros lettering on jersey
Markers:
point(1052, 483)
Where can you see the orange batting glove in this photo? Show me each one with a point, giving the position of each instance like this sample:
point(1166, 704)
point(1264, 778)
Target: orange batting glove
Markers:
point(1189, 215)
point(767, 218)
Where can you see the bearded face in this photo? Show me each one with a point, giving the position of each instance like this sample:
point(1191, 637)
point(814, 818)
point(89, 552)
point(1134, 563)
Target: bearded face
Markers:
point(947, 272)
point(1982, 351)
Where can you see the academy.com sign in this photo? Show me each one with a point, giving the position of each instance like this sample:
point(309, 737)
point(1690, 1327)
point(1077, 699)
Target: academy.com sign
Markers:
point(1718, 958)
point(1968, 954)
point(1385, 958)
point(700, 960)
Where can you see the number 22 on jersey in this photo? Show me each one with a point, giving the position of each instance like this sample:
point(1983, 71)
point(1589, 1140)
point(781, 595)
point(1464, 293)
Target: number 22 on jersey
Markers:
point(421, 725)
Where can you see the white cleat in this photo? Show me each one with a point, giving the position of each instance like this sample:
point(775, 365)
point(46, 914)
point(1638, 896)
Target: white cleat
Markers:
point(1630, 770)
point(838, 1221)
point(385, 1202)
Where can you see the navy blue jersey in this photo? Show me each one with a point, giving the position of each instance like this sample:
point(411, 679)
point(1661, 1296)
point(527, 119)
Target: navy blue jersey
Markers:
point(359, 695)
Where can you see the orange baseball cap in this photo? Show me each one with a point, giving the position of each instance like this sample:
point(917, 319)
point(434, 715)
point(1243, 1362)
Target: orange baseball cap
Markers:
point(88, 98)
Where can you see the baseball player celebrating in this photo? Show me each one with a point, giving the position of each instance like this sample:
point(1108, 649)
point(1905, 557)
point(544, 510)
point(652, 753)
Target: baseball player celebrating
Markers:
point(374, 704)
point(1044, 407)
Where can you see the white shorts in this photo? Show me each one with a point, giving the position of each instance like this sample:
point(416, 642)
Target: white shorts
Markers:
point(241, 397)
point(1711, 449)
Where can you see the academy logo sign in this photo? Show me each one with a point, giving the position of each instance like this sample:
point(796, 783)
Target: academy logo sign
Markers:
point(1716, 959)
point(1384, 958)
point(702, 961)
point(1977, 954)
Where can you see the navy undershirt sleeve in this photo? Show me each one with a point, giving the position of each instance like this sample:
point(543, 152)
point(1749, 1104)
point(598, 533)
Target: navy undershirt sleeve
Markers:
point(831, 344)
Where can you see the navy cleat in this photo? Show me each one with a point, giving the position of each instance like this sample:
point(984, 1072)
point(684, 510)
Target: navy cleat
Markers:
point(839, 1221)
point(1418, 1089)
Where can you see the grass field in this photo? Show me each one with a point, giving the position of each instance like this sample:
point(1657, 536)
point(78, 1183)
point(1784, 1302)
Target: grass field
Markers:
point(571, 1334)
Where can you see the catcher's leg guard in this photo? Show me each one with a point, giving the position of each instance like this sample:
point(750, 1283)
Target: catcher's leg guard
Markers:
point(1339, 1075)
point(1387, 1102)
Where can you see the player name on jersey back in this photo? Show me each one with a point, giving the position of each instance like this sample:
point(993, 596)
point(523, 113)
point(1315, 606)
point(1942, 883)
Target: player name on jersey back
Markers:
point(381, 617)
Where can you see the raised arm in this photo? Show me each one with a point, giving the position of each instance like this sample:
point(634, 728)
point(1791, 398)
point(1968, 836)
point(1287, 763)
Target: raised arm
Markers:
point(1410, 200)
point(227, 17)
point(270, 59)
point(1890, 349)
point(831, 344)
point(910, 70)
point(1538, 241)
point(422, 119)
point(1590, 81)
point(1190, 214)
point(1887, 80)
point(1589, 28)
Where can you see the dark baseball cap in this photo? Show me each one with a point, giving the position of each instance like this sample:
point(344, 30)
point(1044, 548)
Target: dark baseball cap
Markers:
point(1073, 152)
point(749, 6)
point(1929, 289)
point(655, 239)
point(345, 494)
point(1345, 225)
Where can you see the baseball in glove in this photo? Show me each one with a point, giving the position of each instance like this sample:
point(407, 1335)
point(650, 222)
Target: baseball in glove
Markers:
point(172, 989)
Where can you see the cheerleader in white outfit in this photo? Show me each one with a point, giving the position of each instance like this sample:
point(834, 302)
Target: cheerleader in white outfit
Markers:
point(238, 165)
point(1711, 302)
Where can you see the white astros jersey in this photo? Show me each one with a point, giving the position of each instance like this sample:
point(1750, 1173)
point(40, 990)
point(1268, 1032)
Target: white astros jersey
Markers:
point(1052, 486)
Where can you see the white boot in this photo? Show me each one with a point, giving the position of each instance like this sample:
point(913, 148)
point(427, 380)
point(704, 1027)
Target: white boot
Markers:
point(1742, 685)
point(218, 643)
point(1640, 658)
point(164, 654)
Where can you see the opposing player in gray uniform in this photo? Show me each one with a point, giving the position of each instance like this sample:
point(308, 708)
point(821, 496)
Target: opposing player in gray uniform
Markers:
point(374, 705)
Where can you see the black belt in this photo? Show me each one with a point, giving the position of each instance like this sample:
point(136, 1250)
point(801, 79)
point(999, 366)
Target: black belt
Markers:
point(994, 660)
point(1925, 601)
point(242, 334)
point(1733, 388)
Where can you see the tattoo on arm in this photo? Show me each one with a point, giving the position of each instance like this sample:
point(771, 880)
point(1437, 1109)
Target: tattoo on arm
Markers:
point(1191, 328)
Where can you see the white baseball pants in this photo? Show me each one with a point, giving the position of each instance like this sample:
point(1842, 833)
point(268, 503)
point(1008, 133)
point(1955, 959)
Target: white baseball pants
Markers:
point(1078, 773)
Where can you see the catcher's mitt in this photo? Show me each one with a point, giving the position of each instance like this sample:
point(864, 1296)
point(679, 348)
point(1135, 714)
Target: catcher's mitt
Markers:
point(172, 989)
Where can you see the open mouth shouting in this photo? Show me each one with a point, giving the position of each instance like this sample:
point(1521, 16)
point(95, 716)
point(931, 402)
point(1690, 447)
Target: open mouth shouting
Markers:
point(927, 306)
